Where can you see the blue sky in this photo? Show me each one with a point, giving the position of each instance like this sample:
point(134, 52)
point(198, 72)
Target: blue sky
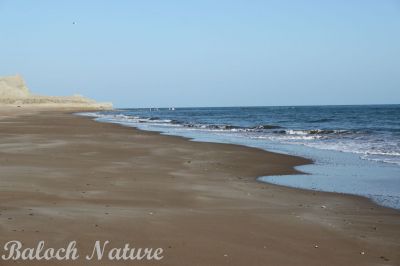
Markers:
point(206, 53)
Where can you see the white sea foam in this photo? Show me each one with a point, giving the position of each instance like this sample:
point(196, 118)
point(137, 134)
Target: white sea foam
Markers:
point(337, 140)
point(346, 171)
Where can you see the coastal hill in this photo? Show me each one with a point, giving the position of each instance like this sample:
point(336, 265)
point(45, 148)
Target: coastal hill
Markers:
point(13, 91)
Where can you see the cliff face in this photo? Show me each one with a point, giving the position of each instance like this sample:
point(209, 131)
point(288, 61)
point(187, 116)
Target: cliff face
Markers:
point(13, 87)
point(13, 91)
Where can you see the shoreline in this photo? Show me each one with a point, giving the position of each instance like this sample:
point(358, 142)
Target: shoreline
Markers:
point(201, 196)
point(308, 161)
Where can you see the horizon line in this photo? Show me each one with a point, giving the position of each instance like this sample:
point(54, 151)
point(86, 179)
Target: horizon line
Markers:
point(255, 106)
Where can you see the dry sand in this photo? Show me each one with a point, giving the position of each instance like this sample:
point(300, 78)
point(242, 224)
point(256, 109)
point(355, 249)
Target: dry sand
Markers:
point(66, 178)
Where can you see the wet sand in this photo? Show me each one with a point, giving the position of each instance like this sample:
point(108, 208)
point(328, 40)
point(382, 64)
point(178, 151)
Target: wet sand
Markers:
point(64, 178)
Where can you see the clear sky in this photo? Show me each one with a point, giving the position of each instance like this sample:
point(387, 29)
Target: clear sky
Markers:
point(206, 53)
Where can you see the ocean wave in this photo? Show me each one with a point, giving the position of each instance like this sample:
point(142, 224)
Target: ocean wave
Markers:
point(367, 150)
point(266, 127)
point(232, 128)
point(313, 132)
point(358, 142)
point(322, 120)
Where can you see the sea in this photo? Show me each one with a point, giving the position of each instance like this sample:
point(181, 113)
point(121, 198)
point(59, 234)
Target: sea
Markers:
point(355, 149)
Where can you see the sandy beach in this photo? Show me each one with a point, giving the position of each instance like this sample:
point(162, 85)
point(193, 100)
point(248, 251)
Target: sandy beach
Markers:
point(64, 178)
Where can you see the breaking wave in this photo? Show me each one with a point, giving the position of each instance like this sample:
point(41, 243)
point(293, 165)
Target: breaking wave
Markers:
point(369, 147)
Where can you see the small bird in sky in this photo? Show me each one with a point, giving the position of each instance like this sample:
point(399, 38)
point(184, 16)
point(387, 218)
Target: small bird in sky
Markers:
point(73, 22)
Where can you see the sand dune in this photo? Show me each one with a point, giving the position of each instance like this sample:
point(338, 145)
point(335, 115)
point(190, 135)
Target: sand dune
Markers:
point(13, 91)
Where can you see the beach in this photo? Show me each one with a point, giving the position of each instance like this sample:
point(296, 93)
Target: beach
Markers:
point(65, 178)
